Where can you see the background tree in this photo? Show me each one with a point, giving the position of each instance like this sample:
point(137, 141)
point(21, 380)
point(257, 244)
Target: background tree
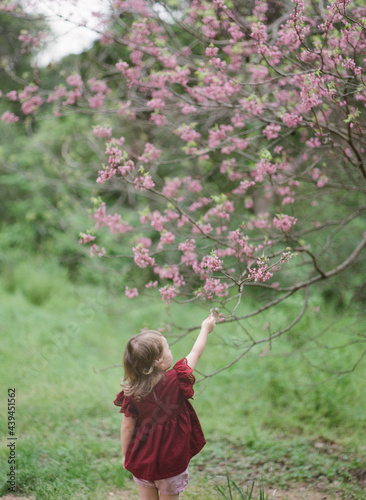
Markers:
point(240, 135)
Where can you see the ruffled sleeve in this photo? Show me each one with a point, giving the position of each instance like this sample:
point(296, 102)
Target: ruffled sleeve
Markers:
point(185, 377)
point(127, 405)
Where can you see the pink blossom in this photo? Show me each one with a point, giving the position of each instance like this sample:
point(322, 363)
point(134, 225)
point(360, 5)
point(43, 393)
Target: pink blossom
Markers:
point(32, 104)
point(214, 286)
point(150, 153)
point(284, 222)
point(243, 187)
point(260, 273)
point(122, 67)
point(219, 317)
point(313, 142)
point(187, 134)
point(85, 238)
point(98, 86)
point(29, 41)
point(59, 91)
point(151, 284)
point(322, 181)
point(128, 166)
point(218, 63)
point(156, 104)
point(263, 167)
point(105, 175)
point(211, 51)
point(171, 187)
point(259, 73)
point(187, 246)
point(201, 202)
point(212, 262)
point(94, 250)
point(218, 135)
point(166, 238)
point(131, 292)
point(96, 101)
point(144, 241)
point(259, 32)
point(100, 131)
point(168, 293)
point(12, 95)
point(74, 80)
point(142, 257)
point(9, 117)
point(144, 182)
point(194, 185)
point(188, 108)
point(202, 228)
point(235, 32)
point(135, 6)
point(113, 222)
point(238, 120)
point(159, 120)
point(291, 119)
point(271, 131)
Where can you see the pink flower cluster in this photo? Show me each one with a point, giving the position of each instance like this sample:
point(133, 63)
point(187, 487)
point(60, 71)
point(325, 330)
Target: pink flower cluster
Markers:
point(143, 182)
point(131, 292)
point(171, 187)
point(214, 287)
point(150, 153)
point(113, 222)
point(284, 222)
point(100, 131)
point(29, 41)
point(166, 238)
point(319, 177)
point(9, 117)
point(100, 91)
point(212, 263)
point(187, 133)
point(170, 273)
point(141, 256)
point(219, 317)
point(189, 257)
point(271, 131)
point(30, 101)
point(243, 187)
point(95, 250)
point(168, 293)
point(261, 272)
point(85, 238)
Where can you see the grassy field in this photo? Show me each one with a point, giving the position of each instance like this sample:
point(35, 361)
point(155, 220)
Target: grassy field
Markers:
point(270, 415)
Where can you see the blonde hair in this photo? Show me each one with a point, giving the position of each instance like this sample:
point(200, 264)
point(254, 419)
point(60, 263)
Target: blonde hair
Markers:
point(141, 364)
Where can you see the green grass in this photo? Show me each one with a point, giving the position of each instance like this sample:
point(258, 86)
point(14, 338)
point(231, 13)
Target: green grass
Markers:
point(269, 415)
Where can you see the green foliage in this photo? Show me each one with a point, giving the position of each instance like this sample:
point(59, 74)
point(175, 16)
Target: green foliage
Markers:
point(36, 279)
point(232, 488)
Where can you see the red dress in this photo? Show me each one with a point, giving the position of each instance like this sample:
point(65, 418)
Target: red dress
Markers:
point(167, 433)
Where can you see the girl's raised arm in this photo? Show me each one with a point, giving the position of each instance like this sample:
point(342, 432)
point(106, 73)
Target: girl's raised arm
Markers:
point(199, 346)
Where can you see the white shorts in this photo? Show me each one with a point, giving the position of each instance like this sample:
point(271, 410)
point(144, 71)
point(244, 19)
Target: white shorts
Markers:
point(169, 486)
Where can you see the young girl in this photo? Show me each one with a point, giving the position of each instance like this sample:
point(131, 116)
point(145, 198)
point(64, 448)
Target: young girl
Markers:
point(160, 430)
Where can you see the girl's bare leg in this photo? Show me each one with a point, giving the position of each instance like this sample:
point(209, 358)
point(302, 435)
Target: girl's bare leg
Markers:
point(169, 497)
point(148, 493)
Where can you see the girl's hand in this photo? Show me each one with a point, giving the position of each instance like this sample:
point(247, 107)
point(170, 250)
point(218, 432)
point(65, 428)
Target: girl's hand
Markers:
point(123, 462)
point(208, 324)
